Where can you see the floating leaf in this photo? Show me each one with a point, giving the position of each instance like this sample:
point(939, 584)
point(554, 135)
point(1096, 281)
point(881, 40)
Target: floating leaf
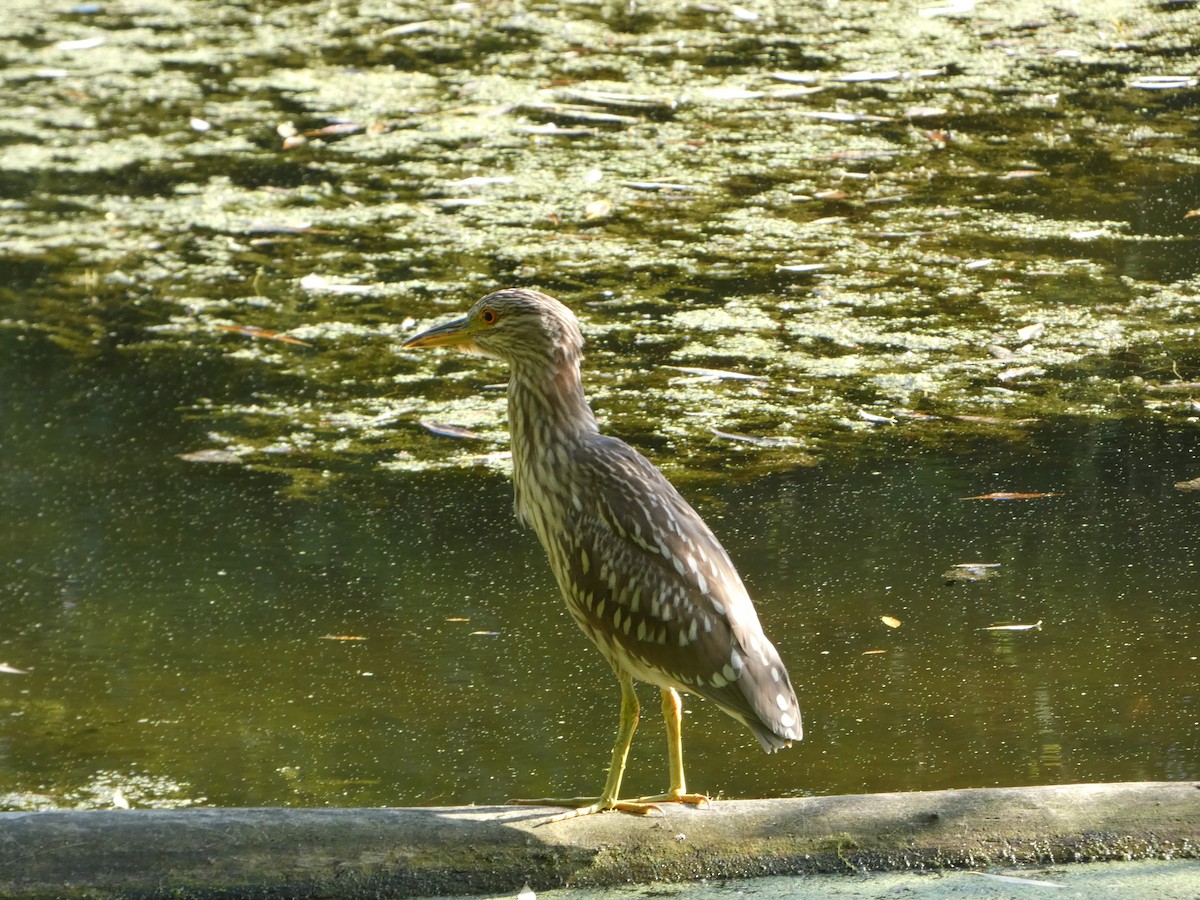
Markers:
point(1181, 386)
point(1031, 332)
point(449, 430)
point(597, 209)
point(994, 420)
point(1013, 374)
point(873, 652)
point(316, 283)
point(751, 439)
point(263, 334)
point(890, 621)
point(971, 572)
point(720, 374)
point(81, 44)
point(876, 419)
point(6, 669)
point(1035, 626)
point(1163, 82)
point(657, 186)
point(1011, 495)
point(1190, 485)
point(337, 129)
point(215, 455)
point(800, 268)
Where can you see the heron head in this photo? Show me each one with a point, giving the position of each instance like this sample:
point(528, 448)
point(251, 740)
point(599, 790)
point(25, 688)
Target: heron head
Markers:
point(516, 325)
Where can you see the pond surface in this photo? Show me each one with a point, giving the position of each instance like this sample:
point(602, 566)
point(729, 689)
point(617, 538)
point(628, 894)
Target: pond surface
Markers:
point(841, 267)
point(191, 634)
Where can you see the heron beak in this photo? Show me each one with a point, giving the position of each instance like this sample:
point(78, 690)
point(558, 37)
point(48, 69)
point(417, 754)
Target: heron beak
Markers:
point(452, 334)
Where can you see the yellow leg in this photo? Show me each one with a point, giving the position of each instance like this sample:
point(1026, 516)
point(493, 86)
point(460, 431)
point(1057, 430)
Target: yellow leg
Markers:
point(673, 714)
point(584, 806)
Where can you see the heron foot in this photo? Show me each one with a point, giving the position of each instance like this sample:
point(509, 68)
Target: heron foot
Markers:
point(586, 806)
point(677, 797)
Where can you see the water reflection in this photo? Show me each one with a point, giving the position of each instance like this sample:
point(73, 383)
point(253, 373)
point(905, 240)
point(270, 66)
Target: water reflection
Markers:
point(193, 634)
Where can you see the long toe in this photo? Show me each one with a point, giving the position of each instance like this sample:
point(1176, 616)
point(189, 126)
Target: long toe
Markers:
point(672, 797)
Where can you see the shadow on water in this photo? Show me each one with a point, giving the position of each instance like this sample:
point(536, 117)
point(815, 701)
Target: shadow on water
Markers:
point(191, 634)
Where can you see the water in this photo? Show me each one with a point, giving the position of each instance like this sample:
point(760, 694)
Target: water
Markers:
point(185, 628)
point(999, 206)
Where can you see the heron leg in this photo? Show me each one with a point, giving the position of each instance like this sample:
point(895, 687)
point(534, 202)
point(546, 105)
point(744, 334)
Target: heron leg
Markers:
point(673, 714)
point(583, 806)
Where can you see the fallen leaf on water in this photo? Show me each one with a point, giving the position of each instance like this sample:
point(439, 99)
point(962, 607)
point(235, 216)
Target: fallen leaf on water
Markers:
point(6, 669)
point(81, 44)
point(1035, 626)
point(971, 572)
point(338, 128)
point(282, 228)
point(597, 209)
point(1190, 485)
point(890, 621)
point(263, 333)
point(1176, 386)
point(994, 420)
point(800, 268)
point(717, 373)
point(1020, 372)
point(1162, 82)
point(877, 419)
point(1031, 332)
point(316, 283)
point(448, 430)
point(341, 637)
point(1011, 495)
point(751, 439)
point(873, 652)
point(214, 455)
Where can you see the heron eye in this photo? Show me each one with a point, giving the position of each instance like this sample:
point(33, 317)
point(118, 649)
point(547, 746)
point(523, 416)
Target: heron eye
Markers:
point(489, 316)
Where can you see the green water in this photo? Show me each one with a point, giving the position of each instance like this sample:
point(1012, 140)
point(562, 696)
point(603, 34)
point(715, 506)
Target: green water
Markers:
point(172, 619)
point(955, 249)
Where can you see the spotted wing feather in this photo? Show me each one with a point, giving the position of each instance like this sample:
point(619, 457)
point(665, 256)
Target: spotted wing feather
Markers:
point(664, 600)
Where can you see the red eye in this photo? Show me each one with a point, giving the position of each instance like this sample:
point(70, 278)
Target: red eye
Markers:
point(489, 316)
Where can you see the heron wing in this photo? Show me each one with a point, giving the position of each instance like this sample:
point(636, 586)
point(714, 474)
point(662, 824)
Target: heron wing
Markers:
point(664, 590)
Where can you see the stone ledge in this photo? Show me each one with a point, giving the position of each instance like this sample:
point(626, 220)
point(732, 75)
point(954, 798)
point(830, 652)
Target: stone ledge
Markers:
point(297, 853)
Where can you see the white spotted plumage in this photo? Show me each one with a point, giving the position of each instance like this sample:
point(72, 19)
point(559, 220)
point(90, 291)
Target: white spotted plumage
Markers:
point(642, 574)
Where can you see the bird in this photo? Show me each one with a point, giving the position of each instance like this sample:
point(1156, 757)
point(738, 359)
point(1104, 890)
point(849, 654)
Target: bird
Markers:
point(641, 573)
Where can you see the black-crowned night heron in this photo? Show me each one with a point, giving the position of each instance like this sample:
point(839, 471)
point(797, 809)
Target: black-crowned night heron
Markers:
point(641, 573)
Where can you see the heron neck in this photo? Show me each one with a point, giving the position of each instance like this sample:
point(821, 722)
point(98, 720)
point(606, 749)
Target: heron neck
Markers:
point(547, 408)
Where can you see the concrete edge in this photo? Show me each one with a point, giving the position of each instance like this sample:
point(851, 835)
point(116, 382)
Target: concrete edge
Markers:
point(307, 853)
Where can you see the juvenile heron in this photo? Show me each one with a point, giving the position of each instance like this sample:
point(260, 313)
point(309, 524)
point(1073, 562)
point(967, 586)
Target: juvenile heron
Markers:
point(640, 571)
